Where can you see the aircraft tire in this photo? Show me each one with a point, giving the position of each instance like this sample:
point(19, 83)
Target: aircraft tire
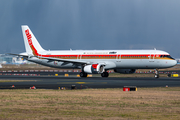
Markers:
point(156, 76)
point(104, 74)
point(83, 74)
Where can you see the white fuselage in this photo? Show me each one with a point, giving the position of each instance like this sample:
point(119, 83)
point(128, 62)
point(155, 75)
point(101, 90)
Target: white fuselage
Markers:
point(121, 59)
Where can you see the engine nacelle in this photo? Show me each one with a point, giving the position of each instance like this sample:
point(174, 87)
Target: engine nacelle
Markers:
point(94, 68)
point(125, 71)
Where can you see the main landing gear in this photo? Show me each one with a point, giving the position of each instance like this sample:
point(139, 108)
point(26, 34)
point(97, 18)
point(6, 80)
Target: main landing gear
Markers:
point(156, 74)
point(104, 74)
point(83, 74)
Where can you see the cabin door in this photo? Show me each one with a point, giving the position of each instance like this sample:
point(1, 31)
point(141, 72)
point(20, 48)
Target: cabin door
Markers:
point(79, 57)
point(118, 58)
point(152, 57)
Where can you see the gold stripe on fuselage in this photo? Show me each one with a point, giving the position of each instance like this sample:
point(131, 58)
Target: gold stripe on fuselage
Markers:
point(111, 57)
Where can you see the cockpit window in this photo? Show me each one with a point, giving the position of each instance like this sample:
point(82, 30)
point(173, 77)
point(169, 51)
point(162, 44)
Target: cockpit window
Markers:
point(166, 56)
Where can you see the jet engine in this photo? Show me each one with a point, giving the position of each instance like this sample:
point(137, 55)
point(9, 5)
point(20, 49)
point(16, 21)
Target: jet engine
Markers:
point(94, 68)
point(125, 71)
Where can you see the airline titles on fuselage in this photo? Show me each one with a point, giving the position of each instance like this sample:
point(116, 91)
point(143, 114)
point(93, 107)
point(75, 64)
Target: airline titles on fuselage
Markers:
point(96, 53)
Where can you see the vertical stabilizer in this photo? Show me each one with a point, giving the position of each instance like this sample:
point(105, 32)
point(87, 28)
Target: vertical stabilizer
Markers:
point(31, 44)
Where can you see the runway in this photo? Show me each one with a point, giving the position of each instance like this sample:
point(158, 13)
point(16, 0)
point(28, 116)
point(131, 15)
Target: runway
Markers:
point(54, 82)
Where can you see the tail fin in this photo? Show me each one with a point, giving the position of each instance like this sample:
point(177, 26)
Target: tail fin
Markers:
point(31, 44)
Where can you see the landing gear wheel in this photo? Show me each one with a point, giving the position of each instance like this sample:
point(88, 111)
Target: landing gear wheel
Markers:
point(104, 74)
point(83, 74)
point(156, 76)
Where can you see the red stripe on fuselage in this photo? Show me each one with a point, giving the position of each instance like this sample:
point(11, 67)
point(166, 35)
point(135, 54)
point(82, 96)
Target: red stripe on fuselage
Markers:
point(96, 55)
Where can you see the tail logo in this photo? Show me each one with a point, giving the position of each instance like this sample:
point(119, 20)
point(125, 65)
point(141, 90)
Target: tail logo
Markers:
point(28, 37)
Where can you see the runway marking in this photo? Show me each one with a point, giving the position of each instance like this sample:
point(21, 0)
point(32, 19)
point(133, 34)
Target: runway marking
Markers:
point(82, 83)
point(2, 81)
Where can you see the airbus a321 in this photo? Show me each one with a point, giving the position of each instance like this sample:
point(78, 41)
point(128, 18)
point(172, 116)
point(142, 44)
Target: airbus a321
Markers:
point(95, 61)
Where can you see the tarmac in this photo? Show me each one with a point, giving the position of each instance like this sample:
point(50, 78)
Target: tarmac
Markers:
point(54, 82)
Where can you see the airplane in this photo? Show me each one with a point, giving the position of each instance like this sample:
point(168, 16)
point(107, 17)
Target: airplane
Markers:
point(95, 61)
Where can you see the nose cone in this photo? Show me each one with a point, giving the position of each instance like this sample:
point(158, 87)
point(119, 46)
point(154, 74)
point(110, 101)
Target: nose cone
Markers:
point(173, 63)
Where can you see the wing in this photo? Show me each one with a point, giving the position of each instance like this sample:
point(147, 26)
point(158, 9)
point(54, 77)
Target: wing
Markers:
point(53, 59)
point(65, 60)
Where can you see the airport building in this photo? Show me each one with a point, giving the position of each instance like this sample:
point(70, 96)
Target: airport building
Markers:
point(4, 59)
point(7, 59)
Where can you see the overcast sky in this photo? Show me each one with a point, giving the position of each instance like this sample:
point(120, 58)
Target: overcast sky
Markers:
point(92, 24)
